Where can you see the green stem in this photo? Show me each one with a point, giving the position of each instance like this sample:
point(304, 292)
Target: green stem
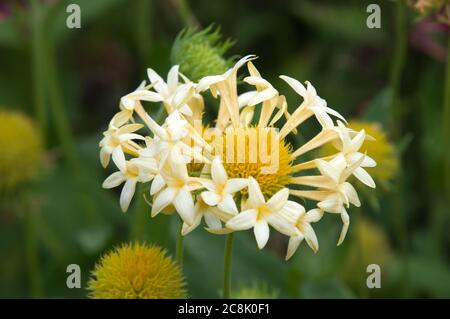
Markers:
point(227, 266)
point(397, 67)
point(186, 15)
point(139, 220)
point(179, 246)
point(31, 253)
point(38, 70)
point(446, 122)
point(144, 15)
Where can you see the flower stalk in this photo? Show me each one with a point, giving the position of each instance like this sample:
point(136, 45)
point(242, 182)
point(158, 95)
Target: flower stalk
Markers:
point(227, 266)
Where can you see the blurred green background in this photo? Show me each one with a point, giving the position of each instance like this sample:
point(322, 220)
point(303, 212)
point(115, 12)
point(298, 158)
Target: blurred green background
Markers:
point(70, 82)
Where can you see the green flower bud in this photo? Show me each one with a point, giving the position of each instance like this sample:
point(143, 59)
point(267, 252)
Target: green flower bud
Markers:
point(201, 53)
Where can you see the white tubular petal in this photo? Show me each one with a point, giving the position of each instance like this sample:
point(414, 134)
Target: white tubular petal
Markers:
point(331, 204)
point(159, 83)
point(114, 180)
point(292, 211)
point(218, 173)
point(333, 112)
point(243, 221)
point(119, 159)
point(157, 184)
point(228, 205)
point(186, 110)
point(320, 139)
point(172, 78)
point(121, 118)
point(186, 229)
point(210, 198)
point(294, 242)
point(162, 200)
point(357, 141)
point(322, 116)
point(278, 200)
point(235, 185)
point(261, 231)
point(127, 193)
point(262, 96)
point(361, 174)
point(104, 157)
point(130, 136)
point(296, 85)
point(244, 98)
point(328, 169)
point(346, 223)
point(184, 204)
point(146, 96)
point(314, 215)
point(207, 81)
point(282, 224)
point(212, 221)
point(311, 237)
point(256, 80)
point(255, 196)
point(351, 193)
point(368, 162)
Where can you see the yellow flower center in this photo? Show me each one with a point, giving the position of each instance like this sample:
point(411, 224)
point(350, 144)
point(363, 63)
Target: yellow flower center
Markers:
point(260, 153)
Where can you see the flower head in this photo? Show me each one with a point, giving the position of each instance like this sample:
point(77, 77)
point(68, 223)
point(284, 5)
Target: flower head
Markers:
point(21, 146)
point(137, 271)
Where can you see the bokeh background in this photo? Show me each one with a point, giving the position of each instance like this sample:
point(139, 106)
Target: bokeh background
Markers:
point(69, 82)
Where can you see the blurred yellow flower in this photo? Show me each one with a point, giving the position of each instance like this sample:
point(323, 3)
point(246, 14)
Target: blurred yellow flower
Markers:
point(137, 271)
point(369, 246)
point(21, 147)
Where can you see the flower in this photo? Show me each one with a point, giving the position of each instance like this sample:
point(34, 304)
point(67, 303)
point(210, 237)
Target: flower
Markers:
point(135, 170)
point(305, 231)
point(137, 271)
point(220, 189)
point(173, 186)
point(239, 173)
point(259, 214)
point(116, 142)
point(22, 150)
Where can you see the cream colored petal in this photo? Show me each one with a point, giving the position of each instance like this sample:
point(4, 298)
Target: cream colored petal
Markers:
point(357, 141)
point(278, 200)
point(320, 139)
point(219, 231)
point(294, 242)
point(361, 174)
point(186, 229)
point(172, 78)
point(158, 82)
point(333, 112)
point(210, 198)
point(294, 84)
point(346, 223)
point(163, 199)
point(255, 196)
point(104, 157)
point(261, 231)
point(351, 193)
point(322, 116)
point(310, 237)
point(157, 184)
point(184, 204)
point(331, 204)
point(314, 215)
point(114, 180)
point(119, 159)
point(127, 194)
point(228, 205)
point(329, 170)
point(244, 98)
point(242, 221)
point(235, 185)
point(212, 221)
point(281, 224)
point(218, 173)
point(262, 96)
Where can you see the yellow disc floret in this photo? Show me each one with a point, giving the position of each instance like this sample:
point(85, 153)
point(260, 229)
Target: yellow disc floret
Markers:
point(21, 150)
point(260, 153)
point(137, 271)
